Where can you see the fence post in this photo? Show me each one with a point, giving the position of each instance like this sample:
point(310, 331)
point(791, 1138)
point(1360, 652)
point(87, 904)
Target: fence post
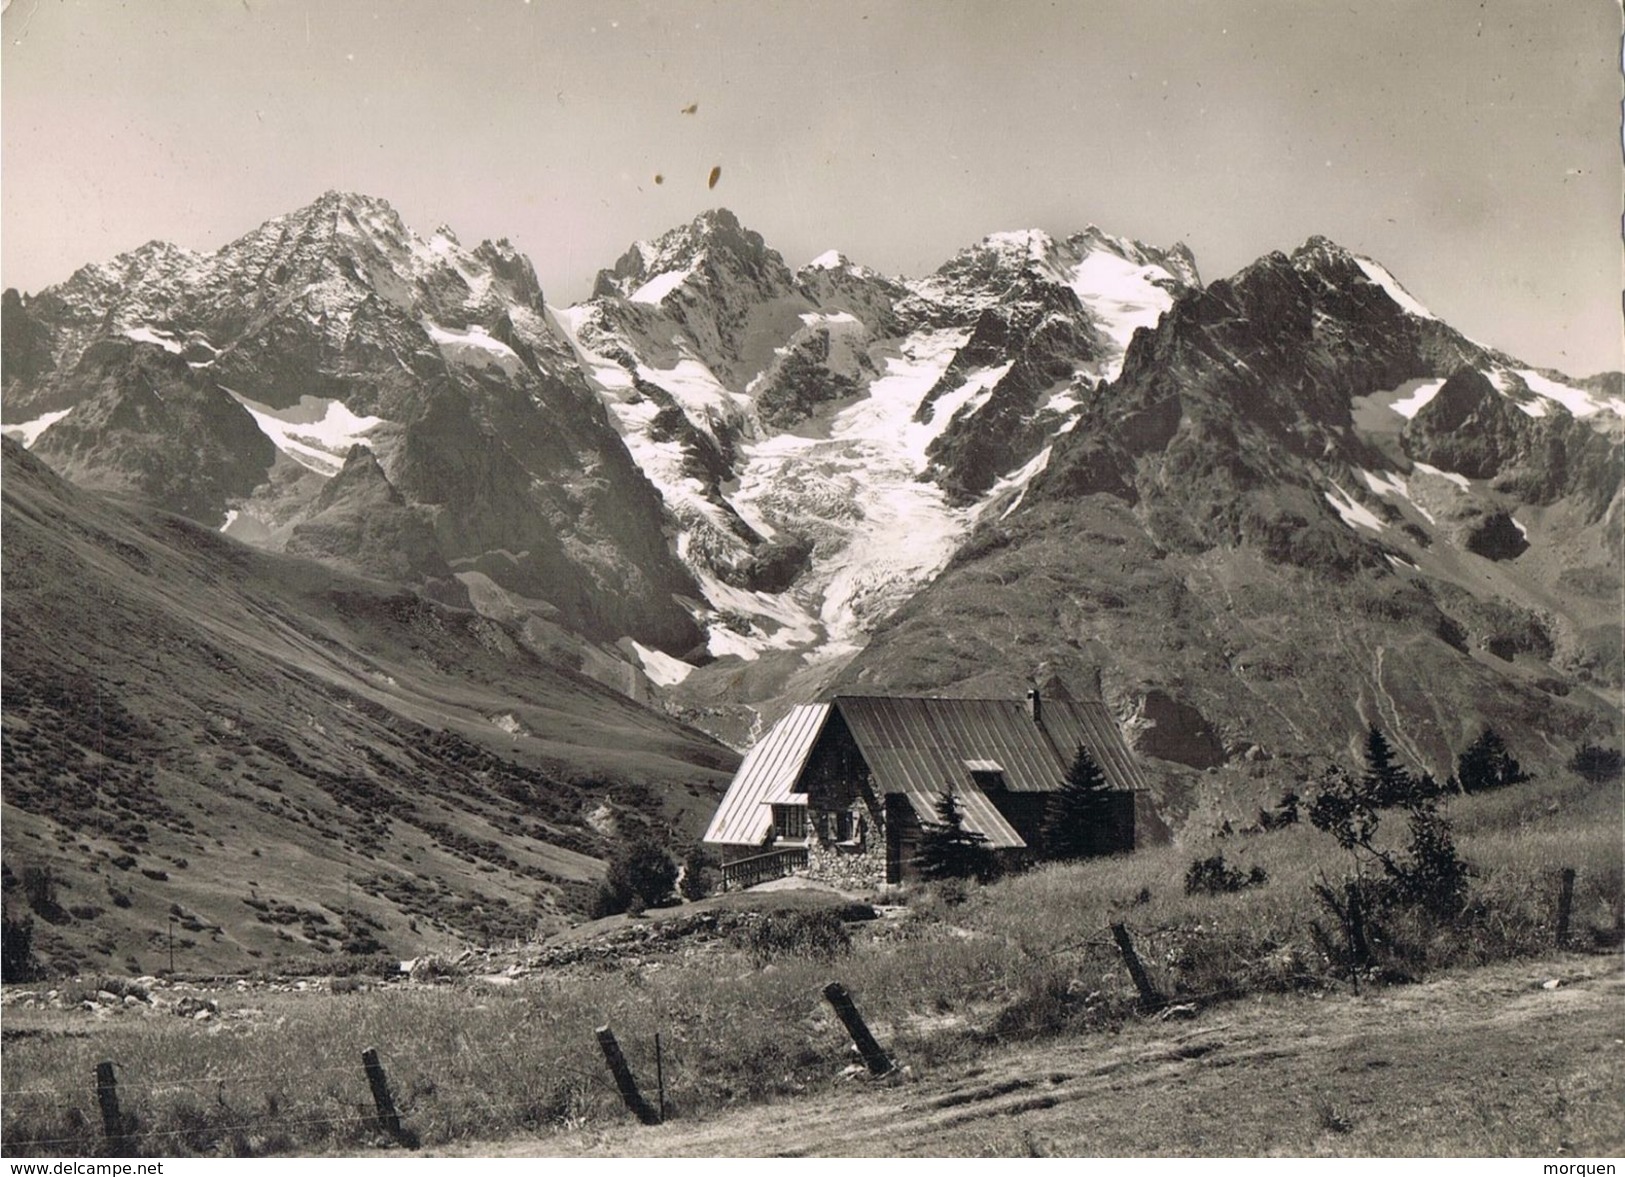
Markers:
point(873, 1056)
point(630, 1095)
point(1565, 907)
point(1150, 999)
point(115, 1138)
point(383, 1100)
point(660, 1077)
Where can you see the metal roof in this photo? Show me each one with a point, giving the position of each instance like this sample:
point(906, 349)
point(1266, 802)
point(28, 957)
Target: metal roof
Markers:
point(769, 773)
point(918, 747)
point(935, 737)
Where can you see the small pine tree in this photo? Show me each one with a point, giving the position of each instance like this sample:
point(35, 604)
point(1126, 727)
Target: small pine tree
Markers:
point(1385, 781)
point(950, 851)
point(1486, 764)
point(1078, 819)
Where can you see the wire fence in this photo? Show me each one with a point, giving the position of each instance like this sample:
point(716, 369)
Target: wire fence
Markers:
point(232, 1090)
point(556, 1088)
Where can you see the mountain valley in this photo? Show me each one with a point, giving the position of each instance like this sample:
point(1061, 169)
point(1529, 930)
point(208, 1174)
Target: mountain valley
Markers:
point(380, 568)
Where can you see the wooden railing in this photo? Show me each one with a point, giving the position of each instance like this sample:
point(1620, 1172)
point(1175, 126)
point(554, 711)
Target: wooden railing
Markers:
point(760, 868)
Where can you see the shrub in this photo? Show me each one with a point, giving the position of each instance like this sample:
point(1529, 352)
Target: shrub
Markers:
point(698, 874)
point(1213, 876)
point(1597, 764)
point(1430, 874)
point(817, 935)
point(641, 875)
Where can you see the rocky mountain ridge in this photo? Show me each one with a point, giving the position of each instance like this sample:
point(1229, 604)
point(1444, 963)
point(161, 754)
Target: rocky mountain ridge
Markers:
point(336, 326)
point(716, 479)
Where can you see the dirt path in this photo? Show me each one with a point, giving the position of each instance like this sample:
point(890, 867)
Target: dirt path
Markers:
point(1485, 1062)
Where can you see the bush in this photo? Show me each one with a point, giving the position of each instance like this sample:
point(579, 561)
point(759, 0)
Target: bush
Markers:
point(1429, 875)
point(698, 874)
point(1597, 764)
point(817, 935)
point(1213, 876)
point(641, 875)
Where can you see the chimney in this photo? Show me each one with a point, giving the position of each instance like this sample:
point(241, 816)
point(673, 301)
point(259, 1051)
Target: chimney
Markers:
point(1035, 705)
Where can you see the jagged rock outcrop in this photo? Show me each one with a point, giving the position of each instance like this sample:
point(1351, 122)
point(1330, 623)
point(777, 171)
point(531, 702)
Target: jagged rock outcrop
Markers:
point(333, 326)
point(1278, 525)
point(145, 424)
point(1472, 428)
point(362, 523)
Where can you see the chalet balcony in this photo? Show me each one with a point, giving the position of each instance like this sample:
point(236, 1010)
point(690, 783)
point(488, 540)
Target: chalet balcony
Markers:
point(764, 868)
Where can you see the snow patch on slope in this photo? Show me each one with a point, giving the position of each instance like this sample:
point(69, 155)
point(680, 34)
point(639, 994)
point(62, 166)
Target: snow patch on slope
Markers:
point(1391, 285)
point(662, 669)
point(28, 432)
point(654, 291)
point(150, 335)
point(1576, 400)
point(317, 432)
point(1417, 394)
point(1390, 485)
point(1460, 480)
point(1353, 513)
point(475, 347)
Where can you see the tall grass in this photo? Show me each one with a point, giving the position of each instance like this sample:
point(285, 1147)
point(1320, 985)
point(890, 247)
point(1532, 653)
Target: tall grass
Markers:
point(743, 1022)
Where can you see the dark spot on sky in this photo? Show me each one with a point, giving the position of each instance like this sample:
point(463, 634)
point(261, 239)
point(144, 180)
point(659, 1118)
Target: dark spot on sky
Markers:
point(716, 174)
point(691, 108)
point(659, 179)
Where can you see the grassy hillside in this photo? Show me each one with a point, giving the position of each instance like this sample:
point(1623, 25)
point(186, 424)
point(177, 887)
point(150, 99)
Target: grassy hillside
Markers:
point(270, 759)
point(953, 984)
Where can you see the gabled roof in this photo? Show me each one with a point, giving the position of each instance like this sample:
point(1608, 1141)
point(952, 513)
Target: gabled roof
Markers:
point(924, 743)
point(769, 773)
point(918, 747)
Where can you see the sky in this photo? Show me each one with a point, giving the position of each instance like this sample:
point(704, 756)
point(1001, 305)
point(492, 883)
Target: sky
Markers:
point(1471, 147)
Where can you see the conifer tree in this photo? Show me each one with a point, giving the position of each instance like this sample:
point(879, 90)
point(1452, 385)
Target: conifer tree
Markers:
point(1486, 764)
point(1078, 820)
point(950, 851)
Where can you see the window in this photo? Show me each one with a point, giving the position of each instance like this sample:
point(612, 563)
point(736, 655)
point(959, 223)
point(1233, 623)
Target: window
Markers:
point(790, 822)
